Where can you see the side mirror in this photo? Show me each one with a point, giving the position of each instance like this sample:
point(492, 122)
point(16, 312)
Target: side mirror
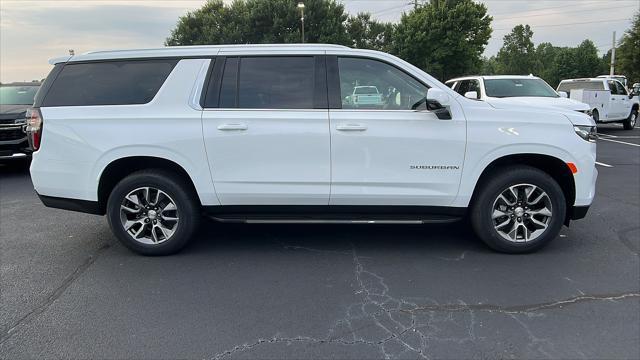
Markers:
point(471, 95)
point(438, 96)
point(563, 94)
point(631, 96)
point(437, 101)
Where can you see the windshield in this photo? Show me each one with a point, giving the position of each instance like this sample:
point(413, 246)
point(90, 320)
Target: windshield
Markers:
point(518, 87)
point(17, 95)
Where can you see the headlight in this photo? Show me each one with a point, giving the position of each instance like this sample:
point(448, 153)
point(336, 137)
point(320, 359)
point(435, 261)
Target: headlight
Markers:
point(586, 112)
point(589, 133)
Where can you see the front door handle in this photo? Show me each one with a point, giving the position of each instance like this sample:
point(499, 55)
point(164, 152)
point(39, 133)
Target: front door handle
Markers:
point(351, 127)
point(227, 127)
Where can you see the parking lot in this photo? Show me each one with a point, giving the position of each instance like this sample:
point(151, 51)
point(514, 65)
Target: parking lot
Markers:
point(309, 291)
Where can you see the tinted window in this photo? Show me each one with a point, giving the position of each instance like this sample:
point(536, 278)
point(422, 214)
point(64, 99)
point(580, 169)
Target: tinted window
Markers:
point(276, 83)
point(621, 89)
point(474, 85)
point(613, 87)
point(108, 83)
point(463, 87)
point(17, 95)
point(388, 88)
point(228, 91)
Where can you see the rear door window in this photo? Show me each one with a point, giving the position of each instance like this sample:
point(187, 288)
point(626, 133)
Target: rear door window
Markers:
point(109, 82)
point(276, 83)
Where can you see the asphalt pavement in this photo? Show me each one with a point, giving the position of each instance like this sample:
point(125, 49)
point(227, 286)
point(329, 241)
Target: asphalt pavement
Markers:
point(69, 290)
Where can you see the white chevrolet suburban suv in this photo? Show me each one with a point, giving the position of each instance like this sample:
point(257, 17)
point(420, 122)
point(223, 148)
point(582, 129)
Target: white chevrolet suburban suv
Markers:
point(265, 133)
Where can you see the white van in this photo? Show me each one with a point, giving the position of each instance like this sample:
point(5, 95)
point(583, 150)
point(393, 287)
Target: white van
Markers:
point(266, 133)
point(608, 99)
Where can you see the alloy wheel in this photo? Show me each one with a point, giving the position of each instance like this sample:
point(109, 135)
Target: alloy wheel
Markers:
point(522, 213)
point(149, 215)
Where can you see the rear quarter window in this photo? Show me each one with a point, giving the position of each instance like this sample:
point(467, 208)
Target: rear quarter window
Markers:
point(109, 82)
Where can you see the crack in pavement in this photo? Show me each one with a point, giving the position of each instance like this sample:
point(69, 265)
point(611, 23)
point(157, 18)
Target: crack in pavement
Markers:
point(10, 329)
point(530, 308)
point(397, 327)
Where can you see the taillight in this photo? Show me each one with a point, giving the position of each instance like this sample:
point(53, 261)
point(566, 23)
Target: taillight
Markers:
point(34, 128)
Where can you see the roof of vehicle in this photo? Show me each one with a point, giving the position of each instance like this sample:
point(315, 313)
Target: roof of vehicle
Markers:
point(492, 77)
point(193, 50)
point(583, 80)
point(607, 76)
point(30, 83)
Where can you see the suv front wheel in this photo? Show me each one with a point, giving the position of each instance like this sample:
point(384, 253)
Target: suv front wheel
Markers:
point(152, 212)
point(519, 210)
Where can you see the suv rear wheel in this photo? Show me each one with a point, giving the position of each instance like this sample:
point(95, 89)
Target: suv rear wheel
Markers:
point(152, 213)
point(519, 210)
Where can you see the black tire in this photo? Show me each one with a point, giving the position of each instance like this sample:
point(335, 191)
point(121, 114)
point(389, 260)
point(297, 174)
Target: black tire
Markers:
point(630, 122)
point(482, 208)
point(174, 186)
point(595, 115)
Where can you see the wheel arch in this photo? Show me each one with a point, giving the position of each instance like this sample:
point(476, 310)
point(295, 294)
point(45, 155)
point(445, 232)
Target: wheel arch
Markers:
point(118, 169)
point(551, 165)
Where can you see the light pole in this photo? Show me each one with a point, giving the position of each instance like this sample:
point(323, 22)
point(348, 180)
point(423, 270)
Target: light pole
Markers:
point(301, 7)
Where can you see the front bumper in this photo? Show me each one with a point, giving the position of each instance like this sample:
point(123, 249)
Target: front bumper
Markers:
point(13, 143)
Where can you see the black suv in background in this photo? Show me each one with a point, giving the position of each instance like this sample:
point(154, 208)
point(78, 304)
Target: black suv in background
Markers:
point(15, 100)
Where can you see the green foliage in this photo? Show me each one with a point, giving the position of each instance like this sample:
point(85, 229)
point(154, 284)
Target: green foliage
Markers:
point(628, 54)
point(517, 55)
point(259, 21)
point(367, 33)
point(444, 37)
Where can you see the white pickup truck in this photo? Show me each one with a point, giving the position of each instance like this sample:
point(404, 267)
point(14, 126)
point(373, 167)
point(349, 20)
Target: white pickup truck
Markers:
point(608, 98)
point(366, 96)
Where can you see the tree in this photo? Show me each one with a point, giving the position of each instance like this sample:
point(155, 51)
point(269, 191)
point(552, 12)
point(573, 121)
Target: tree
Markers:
point(545, 56)
point(489, 66)
point(366, 33)
point(587, 61)
point(557, 63)
point(444, 37)
point(259, 21)
point(517, 53)
point(628, 53)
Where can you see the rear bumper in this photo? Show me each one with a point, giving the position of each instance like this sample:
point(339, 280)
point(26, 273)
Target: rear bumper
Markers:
point(85, 206)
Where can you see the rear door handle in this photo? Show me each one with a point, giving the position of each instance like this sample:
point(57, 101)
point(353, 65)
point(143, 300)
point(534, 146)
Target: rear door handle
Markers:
point(227, 127)
point(351, 127)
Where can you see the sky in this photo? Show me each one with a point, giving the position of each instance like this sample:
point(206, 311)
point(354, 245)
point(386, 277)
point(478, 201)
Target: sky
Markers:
point(33, 31)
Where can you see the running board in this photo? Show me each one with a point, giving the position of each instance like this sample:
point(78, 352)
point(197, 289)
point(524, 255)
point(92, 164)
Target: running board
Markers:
point(319, 220)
